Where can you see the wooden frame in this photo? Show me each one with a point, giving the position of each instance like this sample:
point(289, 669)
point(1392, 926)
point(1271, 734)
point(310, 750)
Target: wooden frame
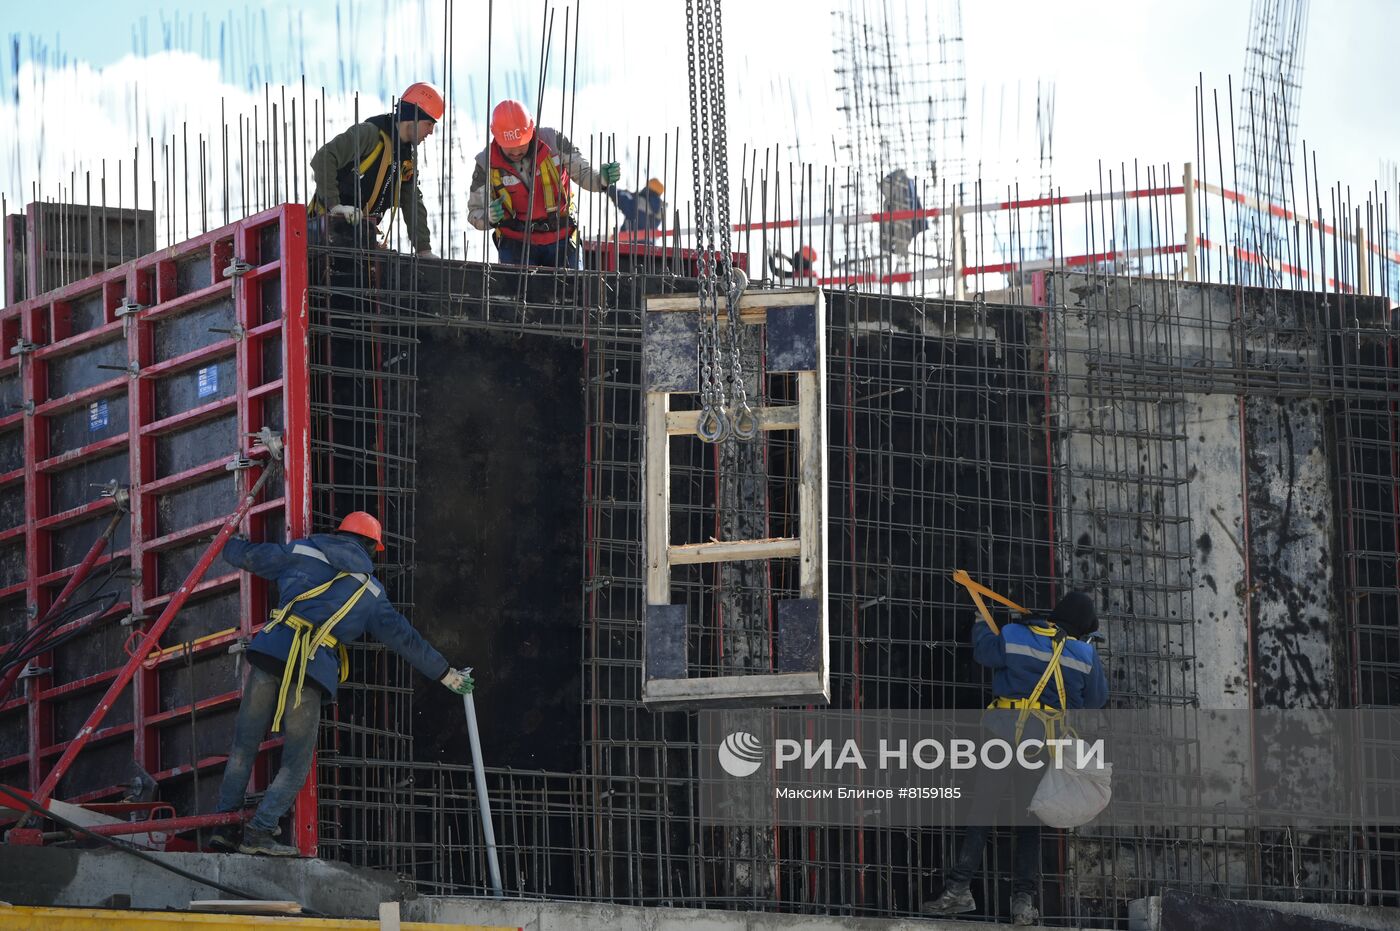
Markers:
point(807, 418)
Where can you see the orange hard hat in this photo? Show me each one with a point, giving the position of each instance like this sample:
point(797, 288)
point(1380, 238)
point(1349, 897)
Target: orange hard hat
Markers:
point(366, 525)
point(426, 98)
point(511, 125)
point(656, 187)
point(807, 254)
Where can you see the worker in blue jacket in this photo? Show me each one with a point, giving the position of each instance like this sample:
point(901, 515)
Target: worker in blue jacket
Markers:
point(328, 597)
point(1018, 658)
point(642, 211)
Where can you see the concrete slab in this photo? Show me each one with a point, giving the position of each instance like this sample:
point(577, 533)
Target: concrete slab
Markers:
point(46, 876)
point(565, 916)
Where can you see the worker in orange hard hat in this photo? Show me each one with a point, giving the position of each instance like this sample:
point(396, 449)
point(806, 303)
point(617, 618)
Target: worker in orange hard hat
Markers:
point(642, 210)
point(328, 597)
point(802, 264)
point(370, 170)
point(522, 189)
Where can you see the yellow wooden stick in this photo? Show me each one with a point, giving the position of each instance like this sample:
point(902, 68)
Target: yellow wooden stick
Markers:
point(977, 590)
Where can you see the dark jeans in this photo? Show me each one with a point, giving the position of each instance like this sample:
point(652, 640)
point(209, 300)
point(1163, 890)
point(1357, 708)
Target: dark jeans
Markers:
point(299, 726)
point(561, 254)
point(988, 790)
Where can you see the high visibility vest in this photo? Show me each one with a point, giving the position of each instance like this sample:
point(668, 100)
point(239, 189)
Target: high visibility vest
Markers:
point(548, 212)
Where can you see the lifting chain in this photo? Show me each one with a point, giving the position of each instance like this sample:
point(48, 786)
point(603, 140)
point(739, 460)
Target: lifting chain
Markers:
point(723, 397)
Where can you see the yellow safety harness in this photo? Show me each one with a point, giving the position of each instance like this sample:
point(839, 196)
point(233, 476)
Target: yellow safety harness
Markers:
point(1049, 716)
point(316, 208)
point(551, 182)
point(307, 638)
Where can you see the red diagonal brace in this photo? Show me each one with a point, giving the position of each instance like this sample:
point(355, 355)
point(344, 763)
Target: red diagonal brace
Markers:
point(79, 575)
point(148, 642)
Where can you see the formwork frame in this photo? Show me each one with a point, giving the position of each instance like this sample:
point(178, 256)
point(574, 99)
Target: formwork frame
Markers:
point(795, 343)
point(150, 323)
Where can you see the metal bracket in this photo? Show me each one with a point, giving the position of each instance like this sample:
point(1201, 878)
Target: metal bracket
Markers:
point(238, 463)
point(236, 268)
point(131, 620)
point(127, 308)
point(120, 494)
point(23, 347)
point(30, 671)
point(270, 441)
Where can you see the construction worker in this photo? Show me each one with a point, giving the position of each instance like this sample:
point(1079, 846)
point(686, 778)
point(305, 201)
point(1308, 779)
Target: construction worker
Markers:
point(370, 170)
point(328, 597)
point(1019, 657)
point(642, 211)
point(521, 189)
point(800, 266)
point(898, 193)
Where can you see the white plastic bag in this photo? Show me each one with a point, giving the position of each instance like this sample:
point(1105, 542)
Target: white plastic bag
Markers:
point(1068, 795)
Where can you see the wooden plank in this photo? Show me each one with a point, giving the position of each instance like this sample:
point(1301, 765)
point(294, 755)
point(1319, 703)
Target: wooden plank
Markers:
point(767, 690)
point(689, 554)
point(656, 491)
point(811, 493)
point(752, 300)
point(684, 423)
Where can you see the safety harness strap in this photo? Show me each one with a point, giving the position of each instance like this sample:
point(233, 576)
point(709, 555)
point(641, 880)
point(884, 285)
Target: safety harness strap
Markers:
point(1031, 705)
point(307, 638)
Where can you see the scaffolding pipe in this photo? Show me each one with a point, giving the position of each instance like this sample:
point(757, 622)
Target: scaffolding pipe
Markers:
point(483, 800)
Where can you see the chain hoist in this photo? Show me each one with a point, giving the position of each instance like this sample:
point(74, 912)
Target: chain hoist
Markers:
point(723, 397)
point(742, 421)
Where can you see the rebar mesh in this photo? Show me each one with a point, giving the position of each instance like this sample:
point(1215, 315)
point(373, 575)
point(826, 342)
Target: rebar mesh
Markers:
point(1040, 447)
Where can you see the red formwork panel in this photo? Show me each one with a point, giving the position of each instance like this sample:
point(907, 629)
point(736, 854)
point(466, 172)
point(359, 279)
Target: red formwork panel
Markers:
point(154, 374)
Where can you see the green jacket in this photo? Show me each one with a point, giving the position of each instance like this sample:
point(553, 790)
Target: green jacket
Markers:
point(345, 174)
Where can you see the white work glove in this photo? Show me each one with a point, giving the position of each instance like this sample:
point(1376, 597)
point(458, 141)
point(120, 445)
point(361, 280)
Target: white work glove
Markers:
point(459, 681)
point(347, 213)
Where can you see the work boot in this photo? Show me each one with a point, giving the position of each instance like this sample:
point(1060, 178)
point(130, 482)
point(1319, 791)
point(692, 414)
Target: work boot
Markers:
point(265, 843)
point(956, 900)
point(1023, 910)
point(225, 839)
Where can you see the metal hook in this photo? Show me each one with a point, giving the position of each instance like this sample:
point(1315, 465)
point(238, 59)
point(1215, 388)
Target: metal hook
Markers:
point(713, 426)
point(745, 423)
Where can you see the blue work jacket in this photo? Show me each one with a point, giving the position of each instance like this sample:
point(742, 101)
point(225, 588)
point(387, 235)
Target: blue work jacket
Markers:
point(641, 210)
point(302, 565)
point(1018, 658)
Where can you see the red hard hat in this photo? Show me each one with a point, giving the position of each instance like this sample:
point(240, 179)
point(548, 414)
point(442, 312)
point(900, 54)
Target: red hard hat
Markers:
point(807, 254)
point(426, 98)
point(366, 525)
point(511, 125)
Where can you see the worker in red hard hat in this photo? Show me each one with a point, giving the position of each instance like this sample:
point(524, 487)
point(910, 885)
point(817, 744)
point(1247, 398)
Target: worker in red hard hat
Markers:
point(370, 171)
point(328, 597)
point(522, 189)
